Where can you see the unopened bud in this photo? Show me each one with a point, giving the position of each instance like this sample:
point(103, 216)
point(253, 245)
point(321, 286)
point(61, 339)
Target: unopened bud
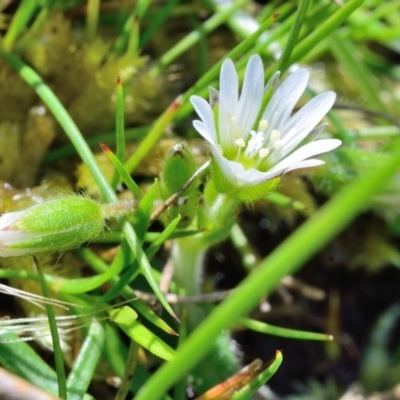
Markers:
point(56, 225)
point(179, 166)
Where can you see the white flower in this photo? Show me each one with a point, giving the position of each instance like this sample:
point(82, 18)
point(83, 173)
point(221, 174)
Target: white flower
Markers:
point(251, 143)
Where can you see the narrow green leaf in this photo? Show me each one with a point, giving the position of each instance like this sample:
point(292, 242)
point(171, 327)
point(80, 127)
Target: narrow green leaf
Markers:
point(262, 327)
point(324, 30)
point(19, 22)
point(120, 138)
point(20, 358)
point(125, 318)
point(58, 354)
point(293, 35)
point(141, 219)
point(123, 173)
point(260, 380)
point(85, 364)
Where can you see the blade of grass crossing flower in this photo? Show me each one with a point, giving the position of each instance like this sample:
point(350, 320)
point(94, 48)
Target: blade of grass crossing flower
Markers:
point(20, 358)
point(126, 319)
point(153, 136)
point(286, 259)
point(23, 15)
point(58, 355)
point(260, 380)
point(268, 329)
point(126, 178)
point(293, 35)
point(85, 364)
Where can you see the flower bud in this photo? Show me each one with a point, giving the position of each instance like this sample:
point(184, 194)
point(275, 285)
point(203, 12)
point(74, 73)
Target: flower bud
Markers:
point(179, 166)
point(56, 225)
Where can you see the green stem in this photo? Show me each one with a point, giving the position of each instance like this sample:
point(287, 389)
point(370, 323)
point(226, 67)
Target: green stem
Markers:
point(188, 261)
point(58, 354)
point(131, 362)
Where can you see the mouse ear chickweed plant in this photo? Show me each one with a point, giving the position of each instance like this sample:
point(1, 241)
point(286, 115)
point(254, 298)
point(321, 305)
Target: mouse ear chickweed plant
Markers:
point(253, 143)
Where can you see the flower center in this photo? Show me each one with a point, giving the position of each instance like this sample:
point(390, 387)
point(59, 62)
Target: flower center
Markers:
point(253, 152)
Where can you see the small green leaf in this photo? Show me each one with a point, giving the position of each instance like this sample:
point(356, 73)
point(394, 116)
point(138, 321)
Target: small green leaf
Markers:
point(261, 379)
point(262, 327)
point(85, 364)
point(126, 319)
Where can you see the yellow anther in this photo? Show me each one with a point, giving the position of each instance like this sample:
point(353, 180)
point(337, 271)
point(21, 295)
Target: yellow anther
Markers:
point(240, 142)
point(263, 125)
point(263, 153)
point(275, 135)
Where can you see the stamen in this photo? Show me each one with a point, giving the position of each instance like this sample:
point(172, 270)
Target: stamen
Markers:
point(240, 142)
point(263, 125)
point(275, 135)
point(263, 152)
point(275, 139)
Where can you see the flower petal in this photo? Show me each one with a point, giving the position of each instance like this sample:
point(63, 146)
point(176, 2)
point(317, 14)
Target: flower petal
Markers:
point(204, 131)
point(252, 94)
point(237, 175)
point(306, 151)
point(205, 112)
point(285, 98)
point(228, 100)
point(306, 164)
point(305, 120)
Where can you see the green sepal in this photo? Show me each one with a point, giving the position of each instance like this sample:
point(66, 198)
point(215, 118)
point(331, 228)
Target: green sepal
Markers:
point(245, 194)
